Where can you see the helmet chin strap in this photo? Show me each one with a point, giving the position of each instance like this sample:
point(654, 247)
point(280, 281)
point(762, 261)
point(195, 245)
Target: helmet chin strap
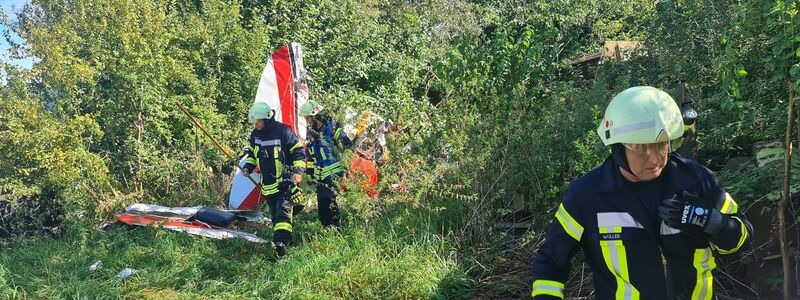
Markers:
point(318, 118)
point(618, 153)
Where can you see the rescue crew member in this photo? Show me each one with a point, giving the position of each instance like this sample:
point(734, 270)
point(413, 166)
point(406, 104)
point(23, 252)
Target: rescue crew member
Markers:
point(278, 153)
point(324, 163)
point(650, 224)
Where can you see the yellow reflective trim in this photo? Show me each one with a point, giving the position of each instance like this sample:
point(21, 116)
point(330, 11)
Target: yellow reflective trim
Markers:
point(275, 184)
point(331, 172)
point(258, 161)
point(269, 192)
point(322, 151)
point(333, 165)
point(250, 160)
point(616, 259)
point(704, 264)
point(572, 227)
point(297, 145)
point(269, 189)
point(278, 166)
point(283, 226)
point(742, 238)
point(729, 207)
point(548, 287)
point(299, 163)
point(334, 171)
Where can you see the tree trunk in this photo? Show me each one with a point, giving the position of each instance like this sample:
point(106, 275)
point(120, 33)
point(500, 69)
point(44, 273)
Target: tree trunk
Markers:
point(787, 174)
point(139, 163)
point(138, 105)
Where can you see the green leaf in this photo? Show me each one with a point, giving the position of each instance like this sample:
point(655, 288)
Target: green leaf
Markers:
point(741, 72)
point(794, 71)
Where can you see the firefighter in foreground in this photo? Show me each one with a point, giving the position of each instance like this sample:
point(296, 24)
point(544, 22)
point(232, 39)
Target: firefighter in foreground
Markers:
point(650, 224)
point(324, 136)
point(279, 154)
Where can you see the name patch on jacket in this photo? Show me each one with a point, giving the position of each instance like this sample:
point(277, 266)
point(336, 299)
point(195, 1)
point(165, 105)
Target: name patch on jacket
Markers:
point(615, 225)
point(275, 142)
point(614, 236)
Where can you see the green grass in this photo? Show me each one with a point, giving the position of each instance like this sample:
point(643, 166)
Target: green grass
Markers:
point(405, 252)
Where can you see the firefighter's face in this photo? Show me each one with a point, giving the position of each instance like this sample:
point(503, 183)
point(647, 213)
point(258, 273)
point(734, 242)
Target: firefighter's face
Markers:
point(260, 124)
point(313, 122)
point(646, 166)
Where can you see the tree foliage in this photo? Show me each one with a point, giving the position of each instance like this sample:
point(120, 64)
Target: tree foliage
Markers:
point(489, 105)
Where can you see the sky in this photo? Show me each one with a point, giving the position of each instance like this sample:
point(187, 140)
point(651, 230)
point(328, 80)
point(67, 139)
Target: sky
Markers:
point(9, 8)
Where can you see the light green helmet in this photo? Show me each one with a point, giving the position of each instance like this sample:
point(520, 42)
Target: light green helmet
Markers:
point(310, 108)
point(641, 115)
point(260, 110)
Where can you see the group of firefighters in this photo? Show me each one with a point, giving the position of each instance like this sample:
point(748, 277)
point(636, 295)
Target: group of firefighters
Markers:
point(649, 222)
point(278, 153)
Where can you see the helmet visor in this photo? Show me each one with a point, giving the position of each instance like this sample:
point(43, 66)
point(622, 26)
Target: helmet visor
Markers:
point(662, 148)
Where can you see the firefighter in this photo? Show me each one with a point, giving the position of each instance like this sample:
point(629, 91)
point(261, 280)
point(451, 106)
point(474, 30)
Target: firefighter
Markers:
point(651, 225)
point(325, 135)
point(280, 156)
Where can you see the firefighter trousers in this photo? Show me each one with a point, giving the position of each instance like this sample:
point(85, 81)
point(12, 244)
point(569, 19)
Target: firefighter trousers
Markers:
point(326, 201)
point(280, 209)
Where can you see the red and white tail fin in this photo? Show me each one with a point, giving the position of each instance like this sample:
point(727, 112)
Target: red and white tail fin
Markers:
point(283, 88)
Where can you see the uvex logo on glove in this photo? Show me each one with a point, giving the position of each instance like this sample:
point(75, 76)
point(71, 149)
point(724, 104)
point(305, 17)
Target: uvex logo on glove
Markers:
point(681, 214)
point(694, 215)
point(685, 213)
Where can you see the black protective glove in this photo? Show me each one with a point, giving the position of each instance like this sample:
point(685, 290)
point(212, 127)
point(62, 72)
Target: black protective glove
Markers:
point(686, 216)
point(249, 168)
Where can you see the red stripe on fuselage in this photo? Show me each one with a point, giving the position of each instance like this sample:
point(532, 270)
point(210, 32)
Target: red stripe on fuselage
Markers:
point(283, 75)
point(252, 200)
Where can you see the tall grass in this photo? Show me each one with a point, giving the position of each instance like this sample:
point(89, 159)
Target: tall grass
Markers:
point(405, 252)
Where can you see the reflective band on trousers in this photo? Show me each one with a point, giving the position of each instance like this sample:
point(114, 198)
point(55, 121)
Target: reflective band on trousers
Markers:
point(572, 227)
point(617, 262)
point(283, 226)
point(548, 287)
point(703, 263)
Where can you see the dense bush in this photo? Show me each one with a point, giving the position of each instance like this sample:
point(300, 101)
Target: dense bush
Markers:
point(486, 104)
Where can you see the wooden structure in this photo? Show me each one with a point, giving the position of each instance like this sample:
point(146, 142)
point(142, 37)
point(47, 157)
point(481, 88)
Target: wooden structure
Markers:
point(586, 65)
